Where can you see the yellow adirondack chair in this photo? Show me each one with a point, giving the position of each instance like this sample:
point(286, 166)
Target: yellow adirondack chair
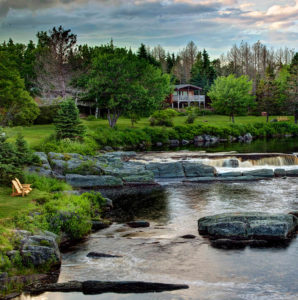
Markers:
point(23, 186)
point(17, 191)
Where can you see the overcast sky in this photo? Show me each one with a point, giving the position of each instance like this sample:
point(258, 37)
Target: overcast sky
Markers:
point(212, 24)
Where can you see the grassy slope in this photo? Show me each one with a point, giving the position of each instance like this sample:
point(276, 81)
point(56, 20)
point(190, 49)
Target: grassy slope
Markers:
point(35, 133)
point(10, 205)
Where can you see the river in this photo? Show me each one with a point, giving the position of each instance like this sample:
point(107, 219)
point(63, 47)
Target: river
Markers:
point(159, 254)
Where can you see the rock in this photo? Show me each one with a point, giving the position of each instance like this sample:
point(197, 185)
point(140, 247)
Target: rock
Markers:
point(174, 143)
point(238, 244)
point(247, 137)
point(240, 138)
point(101, 255)
point(292, 173)
point(280, 172)
point(39, 170)
point(166, 170)
point(58, 176)
point(184, 142)
point(214, 139)
point(108, 148)
point(40, 251)
point(229, 174)
point(42, 156)
point(231, 163)
point(259, 173)
point(294, 213)
point(198, 139)
point(193, 169)
point(76, 180)
point(57, 156)
point(138, 179)
point(159, 144)
point(248, 226)
point(99, 225)
point(99, 287)
point(121, 154)
point(188, 236)
point(137, 224)
point(58, 165)
point(109, 202)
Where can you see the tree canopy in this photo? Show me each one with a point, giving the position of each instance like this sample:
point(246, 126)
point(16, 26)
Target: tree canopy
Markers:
point(231, 95)
point(16, 105)
point(124, 84)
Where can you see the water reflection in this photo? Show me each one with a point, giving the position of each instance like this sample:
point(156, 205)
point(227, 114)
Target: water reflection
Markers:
point(160, 254)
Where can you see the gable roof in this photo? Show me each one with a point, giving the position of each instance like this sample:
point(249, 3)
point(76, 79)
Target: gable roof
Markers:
point(182, 86)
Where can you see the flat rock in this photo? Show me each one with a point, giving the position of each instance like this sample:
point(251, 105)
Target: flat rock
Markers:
point(137, 224)
point(188, 236)
point(292, 173)
point(193, 169)
point(101, 255)
point(76, 180)
point(249, 226)
point(279, 172)
point(166, 170)
point(259, 173)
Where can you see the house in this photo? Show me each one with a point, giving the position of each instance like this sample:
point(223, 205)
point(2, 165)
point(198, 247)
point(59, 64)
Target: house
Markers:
point(185, 95)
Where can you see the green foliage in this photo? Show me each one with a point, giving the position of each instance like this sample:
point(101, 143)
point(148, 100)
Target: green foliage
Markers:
point(91, 118)
point(203, 73)
point(13, 158)
point(67, 122)
point(124, 84)
point(163, 117)
point(87, 146)
point(16, 105)
point(47, 114)
point(46, 184)
point(231, 95)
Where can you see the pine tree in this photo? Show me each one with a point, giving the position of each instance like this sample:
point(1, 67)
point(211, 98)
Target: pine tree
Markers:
point(67, 122)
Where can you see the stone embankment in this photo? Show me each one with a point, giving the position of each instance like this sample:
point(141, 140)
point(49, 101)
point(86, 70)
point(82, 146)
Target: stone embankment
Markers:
point(237, 230)
point(120, 169)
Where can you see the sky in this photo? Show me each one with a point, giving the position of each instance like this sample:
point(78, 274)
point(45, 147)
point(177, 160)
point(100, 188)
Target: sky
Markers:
point(212, 24)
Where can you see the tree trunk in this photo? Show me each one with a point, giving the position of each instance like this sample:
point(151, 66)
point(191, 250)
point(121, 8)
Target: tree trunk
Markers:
point(113, 117)
point(296, 116)
point(233, 120)
point(267, 117)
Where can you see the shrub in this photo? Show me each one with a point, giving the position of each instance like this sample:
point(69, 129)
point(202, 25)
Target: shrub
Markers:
point(91, 118)
point(163, 117)
point(67, 122)
point(47, 184)
point(47, 114)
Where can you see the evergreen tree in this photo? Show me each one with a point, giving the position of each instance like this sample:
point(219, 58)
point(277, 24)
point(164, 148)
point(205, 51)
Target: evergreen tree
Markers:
point(268, 94)
point(292, 90)
point(142, 52)
point(203, 73)
point(67, 122)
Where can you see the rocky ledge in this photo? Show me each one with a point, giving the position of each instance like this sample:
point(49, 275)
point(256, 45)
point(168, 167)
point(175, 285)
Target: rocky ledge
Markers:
point(236, 230)
point(99, 287)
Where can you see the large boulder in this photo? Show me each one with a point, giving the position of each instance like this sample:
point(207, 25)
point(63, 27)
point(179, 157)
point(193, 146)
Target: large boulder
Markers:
point(194, 169)
point(166, 170)
point(293, 172)
point(40, 251)
point(259, 173)
point(86, 181)
point(249, 226)
point(230, 174)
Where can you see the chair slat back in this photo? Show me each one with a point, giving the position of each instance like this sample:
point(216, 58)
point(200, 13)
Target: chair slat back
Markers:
point(19, 183)
point(16, 186)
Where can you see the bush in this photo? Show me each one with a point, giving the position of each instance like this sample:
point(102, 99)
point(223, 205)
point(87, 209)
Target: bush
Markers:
point(47, 114)
point(46, 184)
point(163, 117)
point(87, 146)
point(67, 122)
point(13, 157)
point(91, 118)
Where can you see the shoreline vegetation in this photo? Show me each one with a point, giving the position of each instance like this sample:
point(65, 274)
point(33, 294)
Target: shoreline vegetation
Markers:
point(217, 128)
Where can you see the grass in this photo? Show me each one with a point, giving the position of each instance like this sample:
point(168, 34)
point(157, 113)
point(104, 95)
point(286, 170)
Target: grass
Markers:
point(11, 205)
point(34, 134)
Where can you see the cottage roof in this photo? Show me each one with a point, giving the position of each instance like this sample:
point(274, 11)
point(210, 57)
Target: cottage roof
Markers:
point(183, 86)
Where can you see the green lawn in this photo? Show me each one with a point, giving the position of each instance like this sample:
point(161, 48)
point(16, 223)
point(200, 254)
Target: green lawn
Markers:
point(34, 134)
point(11, 205)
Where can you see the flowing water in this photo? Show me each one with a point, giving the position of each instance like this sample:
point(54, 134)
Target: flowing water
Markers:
point(159, 254)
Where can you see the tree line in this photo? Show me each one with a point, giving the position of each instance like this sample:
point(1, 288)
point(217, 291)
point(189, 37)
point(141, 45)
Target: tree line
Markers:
point(134, 84)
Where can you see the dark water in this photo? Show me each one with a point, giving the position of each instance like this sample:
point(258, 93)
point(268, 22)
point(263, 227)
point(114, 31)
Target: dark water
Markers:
point(160, 254)
point(280, 145)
